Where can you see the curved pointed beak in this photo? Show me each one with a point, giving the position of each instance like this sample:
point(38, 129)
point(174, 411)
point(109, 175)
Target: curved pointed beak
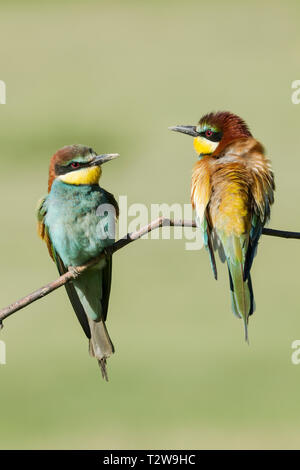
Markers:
point(106, 157)
point(189, 130)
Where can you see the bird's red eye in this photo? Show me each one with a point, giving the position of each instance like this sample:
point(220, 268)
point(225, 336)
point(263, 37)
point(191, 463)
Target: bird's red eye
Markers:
point(75, 165)
point(208, 133)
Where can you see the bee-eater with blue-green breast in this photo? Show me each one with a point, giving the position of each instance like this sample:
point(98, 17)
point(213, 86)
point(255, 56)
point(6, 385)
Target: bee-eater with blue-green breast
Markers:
point(232, 191)
point(76, 229)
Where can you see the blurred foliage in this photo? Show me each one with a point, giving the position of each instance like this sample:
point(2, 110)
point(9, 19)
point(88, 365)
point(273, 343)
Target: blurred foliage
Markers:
point(115, 75)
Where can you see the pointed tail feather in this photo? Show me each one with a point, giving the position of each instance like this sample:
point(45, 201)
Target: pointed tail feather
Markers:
point(241, 290)
point(245, 319)
point(233, 302)
point(100, 345)
point(102, 365)
point(241, 294)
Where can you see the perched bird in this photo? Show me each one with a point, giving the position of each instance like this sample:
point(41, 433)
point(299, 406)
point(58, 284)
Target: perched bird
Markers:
point(77, 221)
point(232, 191)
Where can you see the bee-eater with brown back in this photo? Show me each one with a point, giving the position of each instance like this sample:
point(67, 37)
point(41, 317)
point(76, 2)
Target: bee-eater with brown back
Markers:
point(71, 222)
point(232, 191)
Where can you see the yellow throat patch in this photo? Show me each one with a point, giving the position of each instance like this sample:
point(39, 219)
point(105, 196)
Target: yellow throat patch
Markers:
point(204, 146)
point(89, 175)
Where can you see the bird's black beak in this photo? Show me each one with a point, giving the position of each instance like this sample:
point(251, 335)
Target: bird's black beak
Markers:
point(106, 157)
point(189, 130)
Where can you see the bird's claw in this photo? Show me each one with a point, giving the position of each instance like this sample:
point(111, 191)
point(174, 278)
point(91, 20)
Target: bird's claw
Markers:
point(74, 271)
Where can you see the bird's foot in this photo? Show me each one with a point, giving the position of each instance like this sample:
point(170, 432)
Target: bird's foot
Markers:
point(74, 271)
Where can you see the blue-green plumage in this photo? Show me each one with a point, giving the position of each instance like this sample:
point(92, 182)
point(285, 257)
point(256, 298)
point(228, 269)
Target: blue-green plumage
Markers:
point(207, 242)
point(78, 223)
point(77, 231)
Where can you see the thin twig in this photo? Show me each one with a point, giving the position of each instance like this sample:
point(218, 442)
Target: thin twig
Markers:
point(281, 233)
point(129, 238)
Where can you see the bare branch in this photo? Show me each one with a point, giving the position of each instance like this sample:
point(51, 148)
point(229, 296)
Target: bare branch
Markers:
point(129, 238)
point(281, 233)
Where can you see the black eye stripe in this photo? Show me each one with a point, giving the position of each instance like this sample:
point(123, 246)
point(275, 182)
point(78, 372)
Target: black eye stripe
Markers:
point(215, 137)
point(62, 170)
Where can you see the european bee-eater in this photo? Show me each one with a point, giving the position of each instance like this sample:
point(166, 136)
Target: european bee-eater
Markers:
point(232, 191)
point(71, 222)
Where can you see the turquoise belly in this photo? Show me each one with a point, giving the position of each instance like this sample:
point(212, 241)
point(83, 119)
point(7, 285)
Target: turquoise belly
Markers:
point(80, 221)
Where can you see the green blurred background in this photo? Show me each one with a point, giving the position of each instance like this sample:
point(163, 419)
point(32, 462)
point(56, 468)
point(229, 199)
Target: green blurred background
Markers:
point(115, 75)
